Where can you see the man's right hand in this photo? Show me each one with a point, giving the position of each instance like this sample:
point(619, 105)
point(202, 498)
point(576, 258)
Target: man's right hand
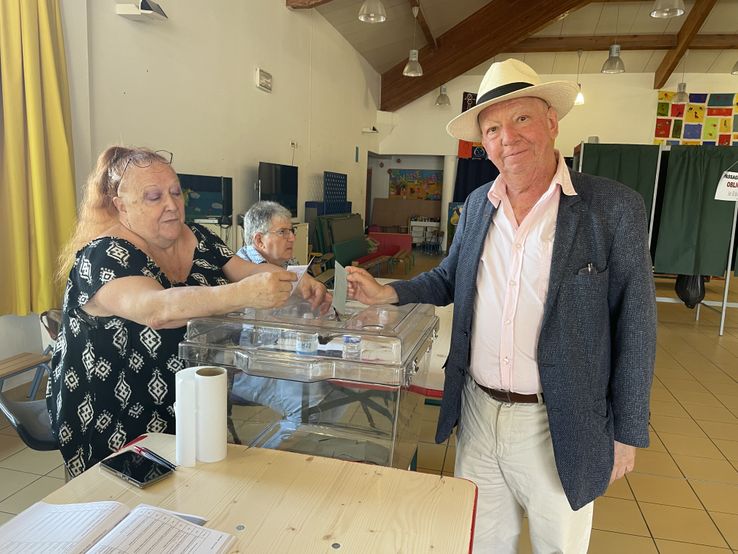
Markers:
point(364, 288)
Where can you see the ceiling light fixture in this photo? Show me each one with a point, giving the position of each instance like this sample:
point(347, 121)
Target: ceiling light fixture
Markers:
point(372, 11)
point(682, 97)
point(580, 97)
point(613, 63)
point(413, 68)
point(443, 99)
point(664, 9)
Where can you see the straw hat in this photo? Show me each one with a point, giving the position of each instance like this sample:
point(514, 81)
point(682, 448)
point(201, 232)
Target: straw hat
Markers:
point(507, 80)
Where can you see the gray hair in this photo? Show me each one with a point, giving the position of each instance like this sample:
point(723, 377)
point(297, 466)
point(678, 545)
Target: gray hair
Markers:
point(259, 218)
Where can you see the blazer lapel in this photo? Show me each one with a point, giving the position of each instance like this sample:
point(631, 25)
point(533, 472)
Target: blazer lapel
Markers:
point(567, 221)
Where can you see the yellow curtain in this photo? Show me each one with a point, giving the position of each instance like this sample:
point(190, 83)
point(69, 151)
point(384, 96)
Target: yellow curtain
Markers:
point(37, 192)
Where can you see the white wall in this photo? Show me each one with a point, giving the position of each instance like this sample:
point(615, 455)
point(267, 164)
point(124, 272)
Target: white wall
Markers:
point(618, 108)
point(187, 85)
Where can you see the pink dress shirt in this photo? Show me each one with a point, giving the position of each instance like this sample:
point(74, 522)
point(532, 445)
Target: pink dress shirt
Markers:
point(512, 281)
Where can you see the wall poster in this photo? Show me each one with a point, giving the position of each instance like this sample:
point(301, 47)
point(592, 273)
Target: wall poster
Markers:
point(418, 184)
point(708, 118)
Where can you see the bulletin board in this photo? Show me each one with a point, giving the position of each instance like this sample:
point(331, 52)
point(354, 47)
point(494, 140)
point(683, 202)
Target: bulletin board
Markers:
point(417, 184)
point(707, 119)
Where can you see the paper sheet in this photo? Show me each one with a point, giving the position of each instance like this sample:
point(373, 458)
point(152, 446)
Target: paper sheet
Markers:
point(340, 289)
point(298, 270)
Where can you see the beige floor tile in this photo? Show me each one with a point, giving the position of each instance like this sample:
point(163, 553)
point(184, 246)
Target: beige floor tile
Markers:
point(655, 444)
point(619, 489)
point(673, 547)
point(428, 432)
point(706, 398)
point(32, 461)
point(656, 463)
point(431, 455)
point(663, 490)
point(700, 412)
point(13, 481)
point(661, 394)
point(664, 407)
point(681, 524)
point(606, 542)
point(9, 445)
point(30, 494)
point(706, 469)
point(8, 432)
point(619, 516)
point(728, 524)
point(676, 425)
point(687, 384)
point(672, 371)
point(717, 497)
point(691, 446)
point(430, 413)
point(720, 430)
point(524, 546)
point(448, 466)
point(431, 471)
point(728, 448)
point(58, 472)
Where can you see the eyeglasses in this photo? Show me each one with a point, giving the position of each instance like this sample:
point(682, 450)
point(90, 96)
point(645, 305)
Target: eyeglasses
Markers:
point(142, 160)
point(285, 232)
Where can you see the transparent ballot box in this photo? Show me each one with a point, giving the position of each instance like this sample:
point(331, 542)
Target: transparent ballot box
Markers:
point(341, 387)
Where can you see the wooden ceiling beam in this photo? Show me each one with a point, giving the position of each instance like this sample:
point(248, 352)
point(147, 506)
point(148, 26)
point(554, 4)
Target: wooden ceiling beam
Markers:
point(305, 4)
point(429, 38)
point(594, 43)
point(696, 17)
point(475, 40)
point(627, 42)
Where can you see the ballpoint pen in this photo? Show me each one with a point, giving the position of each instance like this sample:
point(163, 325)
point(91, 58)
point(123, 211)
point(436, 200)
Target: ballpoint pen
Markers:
point(150, 454)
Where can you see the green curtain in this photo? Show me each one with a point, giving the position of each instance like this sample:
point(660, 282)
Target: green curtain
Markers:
point(694, 234)
point(633, 165)
point(37, 193)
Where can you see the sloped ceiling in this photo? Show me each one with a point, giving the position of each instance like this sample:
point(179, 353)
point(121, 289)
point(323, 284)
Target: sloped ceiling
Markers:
point(469, 34)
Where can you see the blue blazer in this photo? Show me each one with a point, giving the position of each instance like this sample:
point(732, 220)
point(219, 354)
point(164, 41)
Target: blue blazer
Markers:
point(597, 343)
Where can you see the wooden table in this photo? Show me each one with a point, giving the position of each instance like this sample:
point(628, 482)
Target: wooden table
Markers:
point(283, 502)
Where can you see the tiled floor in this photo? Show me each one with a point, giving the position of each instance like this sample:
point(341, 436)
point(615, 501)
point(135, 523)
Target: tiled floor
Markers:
point(682, 497)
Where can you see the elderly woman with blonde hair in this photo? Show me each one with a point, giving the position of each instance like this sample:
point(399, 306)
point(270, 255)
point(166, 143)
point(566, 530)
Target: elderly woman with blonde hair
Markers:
point(136, 274)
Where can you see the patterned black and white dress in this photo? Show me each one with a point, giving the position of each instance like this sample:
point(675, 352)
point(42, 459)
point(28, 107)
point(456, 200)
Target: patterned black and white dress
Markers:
point(112, 378)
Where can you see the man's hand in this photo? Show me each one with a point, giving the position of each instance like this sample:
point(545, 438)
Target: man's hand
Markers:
point(315, 292)
point(364, 288)
point(625, 456)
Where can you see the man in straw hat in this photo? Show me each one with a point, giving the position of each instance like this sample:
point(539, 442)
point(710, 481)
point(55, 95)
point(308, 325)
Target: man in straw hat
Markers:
point(554, 329)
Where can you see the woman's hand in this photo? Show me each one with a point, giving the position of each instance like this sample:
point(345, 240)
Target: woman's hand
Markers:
point(266, 289)
point(316, 293)
point(364, 288)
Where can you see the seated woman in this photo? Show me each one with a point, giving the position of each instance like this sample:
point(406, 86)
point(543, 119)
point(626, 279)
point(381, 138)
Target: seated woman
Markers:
point(137, 273)
point(268, 235)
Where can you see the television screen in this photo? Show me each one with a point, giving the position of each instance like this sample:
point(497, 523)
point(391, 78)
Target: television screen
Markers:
point(207, 197)
point(278, 183)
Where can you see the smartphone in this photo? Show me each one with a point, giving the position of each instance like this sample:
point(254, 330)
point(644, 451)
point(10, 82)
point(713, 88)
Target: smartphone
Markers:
point(135, 468)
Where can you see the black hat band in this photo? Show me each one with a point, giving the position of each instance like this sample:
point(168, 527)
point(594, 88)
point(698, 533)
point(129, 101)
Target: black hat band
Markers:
point(502, 90)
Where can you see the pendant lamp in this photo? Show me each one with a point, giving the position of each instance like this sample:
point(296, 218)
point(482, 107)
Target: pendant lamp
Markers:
point(372, 11)
point(413, 68)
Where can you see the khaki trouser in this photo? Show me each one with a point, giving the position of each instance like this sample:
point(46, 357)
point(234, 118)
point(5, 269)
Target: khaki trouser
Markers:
point(506, 450)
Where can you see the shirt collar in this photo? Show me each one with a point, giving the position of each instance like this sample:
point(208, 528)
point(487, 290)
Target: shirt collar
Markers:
point(561, 177)
point(254, 255)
